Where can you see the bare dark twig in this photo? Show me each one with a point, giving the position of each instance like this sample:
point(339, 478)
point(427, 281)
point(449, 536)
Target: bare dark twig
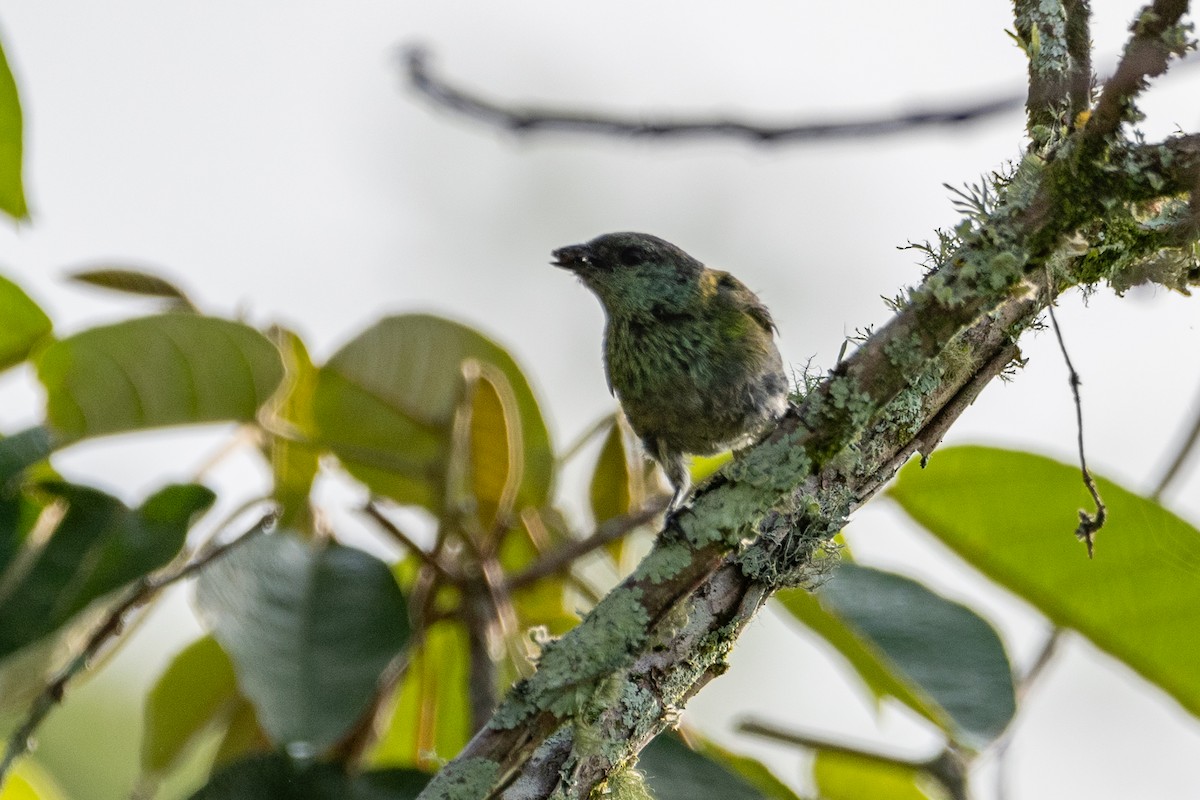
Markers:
point(1088, 523)
point(532, 119)
point(1181, 456)
point(113, 623)
point(946, 767)
point(609, 531)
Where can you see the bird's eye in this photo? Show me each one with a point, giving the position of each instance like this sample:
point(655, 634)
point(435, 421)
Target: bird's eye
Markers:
point(632, 255)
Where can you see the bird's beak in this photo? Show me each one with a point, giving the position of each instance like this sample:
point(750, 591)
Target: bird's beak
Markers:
point(574, 257)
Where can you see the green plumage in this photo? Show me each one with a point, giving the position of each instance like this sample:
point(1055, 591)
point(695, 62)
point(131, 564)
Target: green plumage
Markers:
point(689, 351)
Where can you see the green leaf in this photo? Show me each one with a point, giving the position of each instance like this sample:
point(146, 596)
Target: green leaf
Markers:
point(98, 545)
point(310, 627)
point(275, 776)
point(294, 462)
point(675, 771)
point(25, 324)
point(608, 490)
point(12, 190)
point(495, 448)
point(130, 281)
point(872, 667)
point(953, 655)
point(21, 451)
point(851, 776)
point(171, 369)
point(1012, 516)
point(196, 690)
point(385, 405)
point(431, 718)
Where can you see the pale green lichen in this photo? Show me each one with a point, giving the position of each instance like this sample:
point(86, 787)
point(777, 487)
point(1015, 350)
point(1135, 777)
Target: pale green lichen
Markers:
point(467, 779)
point(665, 561)
point(725, 517)
point(776, 465)
point(599, 646)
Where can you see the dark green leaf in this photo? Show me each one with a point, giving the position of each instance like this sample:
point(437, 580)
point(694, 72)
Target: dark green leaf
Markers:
point(97, 546)
point(674, 771)
point(850, 776)
point(195, 691)
point(1012, 516)
point(23, 450)
point(12, 189)
point(132, 281)
point(310, 627)
point(949, 652)
point(385, 404)
point(171, 369)
point(878, 674)
point(276, 777)
point(24, 323)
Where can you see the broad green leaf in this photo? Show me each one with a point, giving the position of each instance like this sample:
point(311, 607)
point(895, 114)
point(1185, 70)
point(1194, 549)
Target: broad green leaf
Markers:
point(97, 546)
point(12, 189)
point(431, 718)
point(130, 281)
point(276, 777)
point(850, 776)
point(609, 491)
point(24, 324)
point(244, 735)
point(196, 690)
point(310, 627)
point(948, 651)
point(675, 771)
point(385, 405)
point(1012, 516)
point(28, 781)
point(871, 665)
point(23, 450)
point(294, 462)
point(496, 459)
point(171, 369)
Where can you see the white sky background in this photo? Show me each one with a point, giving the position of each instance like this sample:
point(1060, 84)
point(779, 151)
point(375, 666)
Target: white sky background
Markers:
point(265, 156)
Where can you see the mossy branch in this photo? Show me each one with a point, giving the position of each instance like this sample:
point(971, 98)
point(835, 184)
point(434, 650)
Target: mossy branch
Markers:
point(607, 687)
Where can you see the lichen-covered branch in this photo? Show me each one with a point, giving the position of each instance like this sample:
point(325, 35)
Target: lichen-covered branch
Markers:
point(607, 687)
point(1158, 34)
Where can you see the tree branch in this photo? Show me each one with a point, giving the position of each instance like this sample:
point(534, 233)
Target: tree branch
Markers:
point(611, 684)
point(533, 119)
point(719, 560)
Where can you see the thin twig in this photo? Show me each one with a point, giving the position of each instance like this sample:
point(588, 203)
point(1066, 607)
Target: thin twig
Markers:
point(532, 119)
point(1088, 523)
point(371, 509)
point(609, 531)
point(1181, 456)
point(112, 625)
point(1001, 747)
point(946, 767)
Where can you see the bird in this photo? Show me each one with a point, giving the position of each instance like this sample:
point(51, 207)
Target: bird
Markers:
point(689, 351)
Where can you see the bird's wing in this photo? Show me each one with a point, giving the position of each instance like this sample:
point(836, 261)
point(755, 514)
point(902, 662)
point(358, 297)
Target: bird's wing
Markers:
point(737, 294)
